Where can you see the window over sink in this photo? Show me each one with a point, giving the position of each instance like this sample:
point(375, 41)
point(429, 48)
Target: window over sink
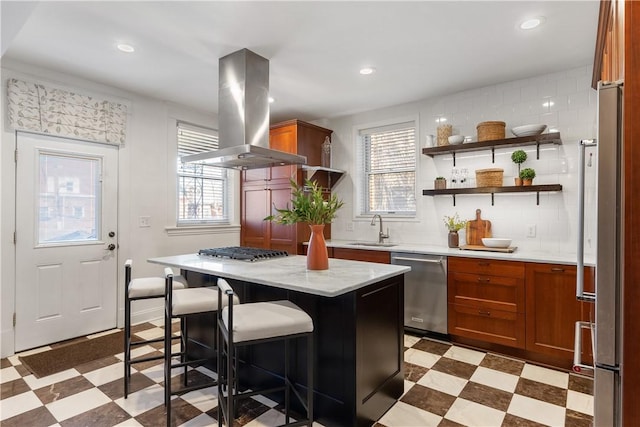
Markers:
point(387, 161)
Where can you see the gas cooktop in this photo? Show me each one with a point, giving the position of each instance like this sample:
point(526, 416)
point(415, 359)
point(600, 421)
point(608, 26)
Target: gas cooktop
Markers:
point(242, 253)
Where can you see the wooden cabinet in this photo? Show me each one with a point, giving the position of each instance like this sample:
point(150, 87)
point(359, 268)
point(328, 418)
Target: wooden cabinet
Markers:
point(552, 309)
point(486, 300)
point(382, 257)
point(610, 43)
point(529, 307)
point(262, 189)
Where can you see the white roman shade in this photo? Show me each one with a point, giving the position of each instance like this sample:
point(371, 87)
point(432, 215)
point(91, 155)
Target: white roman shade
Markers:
point(39, 108)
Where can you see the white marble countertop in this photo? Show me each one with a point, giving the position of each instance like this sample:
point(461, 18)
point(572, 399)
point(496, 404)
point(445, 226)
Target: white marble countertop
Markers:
point(290, 272)
point(518, 255)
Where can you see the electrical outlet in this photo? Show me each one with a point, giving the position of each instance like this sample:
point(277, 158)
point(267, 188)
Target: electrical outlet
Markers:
point(349, 226)
point(144, 221)
point(531, 230)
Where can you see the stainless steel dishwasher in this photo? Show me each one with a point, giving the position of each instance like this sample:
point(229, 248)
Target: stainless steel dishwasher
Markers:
point(425, 291)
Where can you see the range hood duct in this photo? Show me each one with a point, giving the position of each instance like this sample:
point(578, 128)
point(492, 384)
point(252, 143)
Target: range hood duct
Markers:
point(243, 105)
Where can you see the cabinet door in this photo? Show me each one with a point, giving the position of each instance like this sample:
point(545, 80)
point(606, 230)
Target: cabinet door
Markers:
point(552, 309)
point(284, 139)
point(382, 257)
point(254, 230)
point(487, 292)
point(282, 237)
point(256, 176)
point(493, 326)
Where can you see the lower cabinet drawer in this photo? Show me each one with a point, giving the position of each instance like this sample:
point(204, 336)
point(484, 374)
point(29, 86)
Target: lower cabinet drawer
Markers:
point(496, 326)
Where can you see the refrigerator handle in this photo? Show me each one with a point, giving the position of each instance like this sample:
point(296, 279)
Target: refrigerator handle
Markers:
point(580, 293)
point(578, 366)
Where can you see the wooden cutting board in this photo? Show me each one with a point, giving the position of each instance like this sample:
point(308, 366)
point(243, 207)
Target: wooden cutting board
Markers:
point(477, 229)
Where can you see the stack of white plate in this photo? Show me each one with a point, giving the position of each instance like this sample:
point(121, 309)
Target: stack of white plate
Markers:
point(528, 130)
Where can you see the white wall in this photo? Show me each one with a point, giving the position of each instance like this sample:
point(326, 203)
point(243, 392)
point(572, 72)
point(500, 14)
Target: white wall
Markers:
point(520, 102)
point(147, 187)
point(147, 173)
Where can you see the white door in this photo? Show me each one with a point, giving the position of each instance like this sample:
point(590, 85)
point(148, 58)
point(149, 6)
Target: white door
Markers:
point(66, 223)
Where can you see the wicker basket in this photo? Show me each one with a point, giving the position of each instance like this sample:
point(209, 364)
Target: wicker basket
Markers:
point(489, 177)
point(490, 130)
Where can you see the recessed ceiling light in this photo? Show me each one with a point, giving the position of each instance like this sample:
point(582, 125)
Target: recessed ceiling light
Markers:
point(532, 23)
point(124, 47)
point(548, 104)
point(271, 100)
point(367, 70)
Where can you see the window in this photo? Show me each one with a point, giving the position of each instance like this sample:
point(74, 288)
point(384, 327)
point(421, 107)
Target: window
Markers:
point(202, 189)
point(388, 154)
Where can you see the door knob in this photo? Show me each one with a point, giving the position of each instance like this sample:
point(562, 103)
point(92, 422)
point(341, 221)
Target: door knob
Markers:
point(111, 247)
point(112, 233)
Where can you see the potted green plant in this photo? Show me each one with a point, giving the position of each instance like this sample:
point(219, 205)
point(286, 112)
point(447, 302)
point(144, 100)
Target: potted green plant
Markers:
point(454, 224)
point(518, 157)
point(440, 183)
point(308, 205)
point(527, 175)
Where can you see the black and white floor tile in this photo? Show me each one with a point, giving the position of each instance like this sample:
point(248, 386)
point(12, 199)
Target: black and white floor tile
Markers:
point(445, 385)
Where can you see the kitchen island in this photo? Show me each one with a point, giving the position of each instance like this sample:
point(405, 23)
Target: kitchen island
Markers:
point(357, 311)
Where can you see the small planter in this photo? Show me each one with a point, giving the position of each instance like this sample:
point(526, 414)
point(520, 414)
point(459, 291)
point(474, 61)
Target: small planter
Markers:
point(454, 239)
point(527, 176)
point(440, 183)
point(518, 182)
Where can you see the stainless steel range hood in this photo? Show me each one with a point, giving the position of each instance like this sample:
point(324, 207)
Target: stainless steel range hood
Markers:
point(243, 117)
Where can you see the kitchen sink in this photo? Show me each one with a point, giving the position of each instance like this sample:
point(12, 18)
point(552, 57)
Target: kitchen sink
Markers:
point(386, 245)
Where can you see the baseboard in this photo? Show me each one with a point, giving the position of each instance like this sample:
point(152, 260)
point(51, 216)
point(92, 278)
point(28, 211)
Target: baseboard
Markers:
point(7, 340)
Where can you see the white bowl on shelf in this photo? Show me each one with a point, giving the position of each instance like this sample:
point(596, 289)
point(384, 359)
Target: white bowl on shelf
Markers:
point(528, 130)
point(493, 242)
point(456, 139)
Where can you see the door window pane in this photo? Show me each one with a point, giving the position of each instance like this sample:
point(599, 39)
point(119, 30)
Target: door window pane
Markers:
point(68, 198)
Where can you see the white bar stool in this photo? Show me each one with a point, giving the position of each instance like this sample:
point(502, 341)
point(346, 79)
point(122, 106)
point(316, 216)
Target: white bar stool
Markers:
point(253, 323)
point(179, 304)
point(140, 289)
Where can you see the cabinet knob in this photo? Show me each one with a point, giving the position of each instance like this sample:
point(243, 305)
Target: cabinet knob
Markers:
point(484, 313)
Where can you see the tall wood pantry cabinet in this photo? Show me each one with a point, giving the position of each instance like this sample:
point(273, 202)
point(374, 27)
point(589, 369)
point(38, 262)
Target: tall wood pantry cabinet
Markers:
point(262, 189)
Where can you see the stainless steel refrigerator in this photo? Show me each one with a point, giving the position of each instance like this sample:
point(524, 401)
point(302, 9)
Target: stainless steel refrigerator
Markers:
point(606, 336)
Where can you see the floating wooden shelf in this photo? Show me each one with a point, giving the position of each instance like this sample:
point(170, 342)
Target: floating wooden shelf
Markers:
point(491, 190)
point(537, 140)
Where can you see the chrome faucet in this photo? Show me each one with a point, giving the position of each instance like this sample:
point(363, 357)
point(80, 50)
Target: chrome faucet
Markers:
point(381, 235)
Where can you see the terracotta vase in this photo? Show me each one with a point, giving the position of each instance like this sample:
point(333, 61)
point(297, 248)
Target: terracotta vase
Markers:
point(454, 239)
point(518, 182)
point(317, 256)
point(527, 182)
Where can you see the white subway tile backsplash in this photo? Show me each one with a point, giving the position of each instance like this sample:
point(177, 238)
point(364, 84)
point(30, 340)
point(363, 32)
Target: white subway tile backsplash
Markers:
point(579, 99)
point(547, 88)
point(567, 86)
point(573, 114)
point(511, 95)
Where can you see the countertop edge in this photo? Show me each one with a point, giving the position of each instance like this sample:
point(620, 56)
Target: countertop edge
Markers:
point(518, 255)
point(185, 262)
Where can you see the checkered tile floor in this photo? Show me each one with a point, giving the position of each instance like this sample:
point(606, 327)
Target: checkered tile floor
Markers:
point(445, 385)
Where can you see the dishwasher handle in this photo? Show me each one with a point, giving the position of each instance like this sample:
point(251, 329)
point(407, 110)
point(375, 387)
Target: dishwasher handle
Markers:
point(426, 261)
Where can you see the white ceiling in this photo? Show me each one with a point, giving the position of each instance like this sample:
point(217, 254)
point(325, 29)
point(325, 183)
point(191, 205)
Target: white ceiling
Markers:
point(419, 48)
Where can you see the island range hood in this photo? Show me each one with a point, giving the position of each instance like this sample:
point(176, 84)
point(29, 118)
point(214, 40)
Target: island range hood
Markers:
point(243, 117)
